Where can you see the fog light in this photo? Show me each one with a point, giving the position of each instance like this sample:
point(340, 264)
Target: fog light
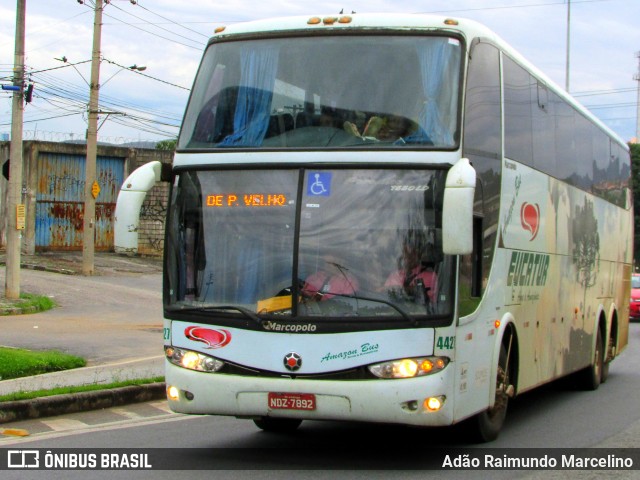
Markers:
point(433, 404)
point(173, 393)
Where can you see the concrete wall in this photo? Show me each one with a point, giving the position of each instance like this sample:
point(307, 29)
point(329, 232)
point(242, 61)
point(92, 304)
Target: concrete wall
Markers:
point(151, 234)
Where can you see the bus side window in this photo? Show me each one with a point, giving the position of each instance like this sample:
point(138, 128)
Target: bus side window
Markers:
point(476, 275)
point(470, 284)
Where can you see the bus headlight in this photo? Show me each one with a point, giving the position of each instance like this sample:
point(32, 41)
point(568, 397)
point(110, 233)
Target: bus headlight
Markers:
point(409, 367)
point(192, 360)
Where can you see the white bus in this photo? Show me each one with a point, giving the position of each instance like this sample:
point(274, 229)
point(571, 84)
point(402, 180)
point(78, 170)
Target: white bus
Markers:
point(388, 218)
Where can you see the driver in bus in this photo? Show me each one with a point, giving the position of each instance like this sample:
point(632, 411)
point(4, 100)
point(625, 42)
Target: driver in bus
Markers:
point(331, 279)
point(415, 278)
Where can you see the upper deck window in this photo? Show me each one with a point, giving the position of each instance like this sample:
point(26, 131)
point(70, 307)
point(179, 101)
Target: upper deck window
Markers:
point(333, 91)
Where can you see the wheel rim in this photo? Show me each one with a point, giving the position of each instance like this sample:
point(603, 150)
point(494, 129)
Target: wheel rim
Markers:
point(597, 364)
point(502, 399)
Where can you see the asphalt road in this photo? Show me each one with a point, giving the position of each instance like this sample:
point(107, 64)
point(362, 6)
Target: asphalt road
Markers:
point(103, 319)
point(555, 416)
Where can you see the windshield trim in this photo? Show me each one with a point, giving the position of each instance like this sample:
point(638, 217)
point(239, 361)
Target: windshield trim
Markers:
point(214, 314)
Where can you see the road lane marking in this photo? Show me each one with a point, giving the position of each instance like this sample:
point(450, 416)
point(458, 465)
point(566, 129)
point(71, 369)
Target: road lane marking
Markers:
point(130, 423)
point(63, 424)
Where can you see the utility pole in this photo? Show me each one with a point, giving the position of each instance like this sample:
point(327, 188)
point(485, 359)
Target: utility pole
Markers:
point(90, 190)
point(568, 45)
point(15, 220)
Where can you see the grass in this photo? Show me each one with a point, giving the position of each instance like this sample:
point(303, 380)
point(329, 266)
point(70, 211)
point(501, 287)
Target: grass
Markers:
point(39, 302)
point(78, 389)
point(28, 302)
point(17, 362)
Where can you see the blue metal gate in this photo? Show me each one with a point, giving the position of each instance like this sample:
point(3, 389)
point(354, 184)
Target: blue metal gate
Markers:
point(60, 200)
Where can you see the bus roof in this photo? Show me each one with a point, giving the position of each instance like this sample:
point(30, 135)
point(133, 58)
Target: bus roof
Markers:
point(468, 29)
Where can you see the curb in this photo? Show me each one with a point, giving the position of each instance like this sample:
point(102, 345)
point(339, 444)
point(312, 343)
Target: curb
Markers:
point(79, 402)
point(43, 268)
point(5, 311)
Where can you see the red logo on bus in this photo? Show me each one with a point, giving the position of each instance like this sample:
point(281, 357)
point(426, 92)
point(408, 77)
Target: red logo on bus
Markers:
point(530, 218)
point(213, 338)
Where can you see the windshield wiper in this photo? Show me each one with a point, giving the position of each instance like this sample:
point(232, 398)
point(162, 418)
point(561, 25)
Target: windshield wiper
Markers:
point(404, 314)
point(221, 308)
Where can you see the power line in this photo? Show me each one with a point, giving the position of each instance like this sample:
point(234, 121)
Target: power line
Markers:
point(506, 7)
point(41, 119)
point(148, 76)
point(593, 93)
point(154, 34)
point(169, 20)
point(156, 26)
point(611, 105)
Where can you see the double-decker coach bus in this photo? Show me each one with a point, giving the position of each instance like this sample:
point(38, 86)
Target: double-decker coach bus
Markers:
point(388, 218)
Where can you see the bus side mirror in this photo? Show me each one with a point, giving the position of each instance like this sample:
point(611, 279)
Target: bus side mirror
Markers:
point(457, 209)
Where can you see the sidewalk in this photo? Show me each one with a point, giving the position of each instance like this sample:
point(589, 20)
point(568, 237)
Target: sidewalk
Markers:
point(136, 361)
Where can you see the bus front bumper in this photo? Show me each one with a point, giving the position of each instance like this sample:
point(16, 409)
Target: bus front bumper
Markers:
point(402, 401)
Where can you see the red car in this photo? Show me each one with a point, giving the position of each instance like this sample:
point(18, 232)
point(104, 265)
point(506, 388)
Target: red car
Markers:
point(634, 301)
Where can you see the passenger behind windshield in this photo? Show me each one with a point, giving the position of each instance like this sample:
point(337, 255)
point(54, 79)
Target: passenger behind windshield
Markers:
point(393, 128)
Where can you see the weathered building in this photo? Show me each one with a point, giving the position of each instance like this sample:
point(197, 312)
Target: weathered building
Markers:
point(53, 179)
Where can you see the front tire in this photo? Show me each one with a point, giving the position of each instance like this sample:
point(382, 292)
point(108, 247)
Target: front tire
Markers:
point(277, 425)
point(486, 426)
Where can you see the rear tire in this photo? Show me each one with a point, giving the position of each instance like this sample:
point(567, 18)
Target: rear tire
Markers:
point(486, 426)
point(591, 377)
point(609, 355)
point(277, 425)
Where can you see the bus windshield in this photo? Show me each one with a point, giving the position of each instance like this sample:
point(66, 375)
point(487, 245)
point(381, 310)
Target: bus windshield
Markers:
point(326, 91)
point(325, 243)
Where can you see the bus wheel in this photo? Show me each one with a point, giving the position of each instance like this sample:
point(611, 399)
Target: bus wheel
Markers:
point(277, 425)
point(486, 425)
point(591, 377)
point(609, 354)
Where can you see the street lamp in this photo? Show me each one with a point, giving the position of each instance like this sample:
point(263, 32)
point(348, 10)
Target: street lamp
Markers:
point(92, 189)
point(134, 68)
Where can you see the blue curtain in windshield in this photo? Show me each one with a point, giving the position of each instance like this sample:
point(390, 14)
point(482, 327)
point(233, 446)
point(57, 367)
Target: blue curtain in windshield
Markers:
point(251, 120)
point(435, 56)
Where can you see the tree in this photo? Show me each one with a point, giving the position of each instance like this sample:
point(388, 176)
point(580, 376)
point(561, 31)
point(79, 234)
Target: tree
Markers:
point(169, 145)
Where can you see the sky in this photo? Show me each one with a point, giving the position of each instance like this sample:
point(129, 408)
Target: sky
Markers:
point(168, 37)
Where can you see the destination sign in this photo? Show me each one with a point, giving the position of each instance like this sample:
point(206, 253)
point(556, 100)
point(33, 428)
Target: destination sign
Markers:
point(246, 200)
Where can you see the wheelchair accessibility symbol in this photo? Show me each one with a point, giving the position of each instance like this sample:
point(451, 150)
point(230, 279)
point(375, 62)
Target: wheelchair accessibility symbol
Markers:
point(319, 184)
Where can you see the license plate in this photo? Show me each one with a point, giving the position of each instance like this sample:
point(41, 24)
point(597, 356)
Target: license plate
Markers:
point(292, 401)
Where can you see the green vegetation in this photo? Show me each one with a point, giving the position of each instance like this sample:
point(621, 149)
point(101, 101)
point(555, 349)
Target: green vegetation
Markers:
point(78, 389)
point(39, 302)
point(16, 362)
point(169, 145)
point(28, 302)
